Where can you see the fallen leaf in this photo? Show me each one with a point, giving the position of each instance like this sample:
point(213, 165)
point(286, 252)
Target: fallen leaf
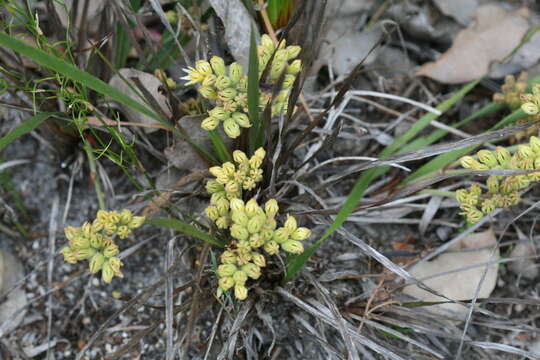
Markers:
point(460, 10)
point(238, 25)
point(492, 35)
point(458, 284)
point(525, 267)
point(12, 310)
point(152, 85)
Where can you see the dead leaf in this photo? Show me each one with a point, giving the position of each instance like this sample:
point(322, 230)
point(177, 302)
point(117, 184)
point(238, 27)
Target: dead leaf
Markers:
point(238, 24)
point(12, 310)
point(461, 10)
point(457, 285)
point(527, 266)
point(492, 35)
point(152, 85)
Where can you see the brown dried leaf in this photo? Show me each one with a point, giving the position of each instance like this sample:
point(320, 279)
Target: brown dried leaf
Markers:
point(492, 35)
point(458, 284)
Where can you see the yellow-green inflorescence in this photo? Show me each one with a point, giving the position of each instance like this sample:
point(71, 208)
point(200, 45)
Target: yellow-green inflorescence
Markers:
point(95, 241)
point(502, 191)
point(511, 91)
point(226, 87)
point(253, 228)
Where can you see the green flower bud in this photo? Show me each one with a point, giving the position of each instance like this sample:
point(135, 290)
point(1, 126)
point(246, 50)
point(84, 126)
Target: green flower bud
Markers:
point(209, 81)
point(239, 232)
point(83, 254)
point(277, 69)
point(271, 247)
point(280, 235)
point(227, 94)
point(239, 156)
point(223, 82)
point(260, 153)
point(292, 51)
point(223, 207)
point(217, 196)
point(228, 168)
point(232, 187)
point(240, 277)
point(487, 158)
point(474, 215)
point(295, 67)
point(488, 206)
point(107, 273)
point(271, 207)
point(209, 123)
point(301, 233)
point(240, 292)
point(255, 224)
point(228, 257)
point(96, 263)
point(222, 222)
point(219, 114)
point(526, 151)
point(213, 186)
point(111, 250)
point(225, 270)
point(208, 92)
point(530, 108)
point(469, 162)
point(123, 231)
point(231, 128)
point(235, 72)
point(216, 171)
point(258, 259)
point(212, 212)
point(534, 142)
point(256, 240)
point(492, 184)
point(69, 257)
point(71, 232)
point(226, 283)
point(218, 65)
point(244, 254)
point(267, 43)
point(241, 119)
point(281, 56)
point(290, 224)
point(97, 241)
point(239, 217)
point(293, 247)
point(80, 242)
point(252, 270)
point(251, 208)
point(502, 154)
point(171, 16)
point(203, 67)
point(288, 82)
point(236, 205)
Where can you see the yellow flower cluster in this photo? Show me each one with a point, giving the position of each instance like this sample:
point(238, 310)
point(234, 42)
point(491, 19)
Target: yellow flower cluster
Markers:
point(227, 87)
point(252, 228)
point(511, 91)
point(502, 191)
point(95, 241)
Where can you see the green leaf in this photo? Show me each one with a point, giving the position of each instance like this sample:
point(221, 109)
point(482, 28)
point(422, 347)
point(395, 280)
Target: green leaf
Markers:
point(75, 74)
point(219, 147)
point(185, 228)
point(24, 128)
point(255, 132)
point(297, 262)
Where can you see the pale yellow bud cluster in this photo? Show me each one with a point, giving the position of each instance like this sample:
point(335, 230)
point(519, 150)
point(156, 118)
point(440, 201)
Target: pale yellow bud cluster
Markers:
point(94, 242)
point(502, 191)
point(511, 91)
point(254, 231)
point(531, 102)
point(283, 62)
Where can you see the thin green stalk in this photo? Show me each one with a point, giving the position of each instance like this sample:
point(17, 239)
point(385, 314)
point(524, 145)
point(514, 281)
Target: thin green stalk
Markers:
point(94, 176)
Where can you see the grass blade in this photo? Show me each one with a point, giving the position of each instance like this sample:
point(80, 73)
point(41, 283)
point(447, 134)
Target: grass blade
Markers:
point(24, 128)
point(294, 264)
point(75, 74)
point(219, 147)
point(255, 132)
point(185, 228)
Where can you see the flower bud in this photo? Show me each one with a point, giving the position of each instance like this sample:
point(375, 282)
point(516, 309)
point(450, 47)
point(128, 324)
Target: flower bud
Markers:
point(271, 247)
point(240, 292)
point(212, 212)
point(223, 82)
point(228, 168)
point(290, 224)
point(107, 273)
point(474, 215)
point(239, 156)
point(223, 207)
point(218, 65)
point(69, 257)
point(293, 247)
point(526, 151)
point(271, 207)
point(492, 185)
point(256, 240)
point(209, 81)
point(292, 51)
point(267, 43)
point(252, 270)
point(240, 277)
point(239, 217)
point(251, 208)
point(239, 232)
point(219, 113)
point(288, 82)
point(295, 67)
point(71, 232)
point(222, 222)
point(96, 263)
point(80, 242)
point(231, 128)
point(227, 95)
point(258, 259)
point(84, 253)
point(123, 231)
point(280, 235)
point(301, 233)
point(232, 187)
point(203, 67)
point(213, 186)
point(469, 162)
point(277, 69)
point(530, 108)
point(111, 250)
point(235, 72)
point(125, 216)
point(96, 241)
point(502, 154)
point(225, 270)
point(241, 119)
point(210, 123)
point(226, 283)
point(216, 171)
point(208, 92)
point(236, 205)
point(534, 143)
point(255, 224)
point(228, 257)
point(487, 158)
